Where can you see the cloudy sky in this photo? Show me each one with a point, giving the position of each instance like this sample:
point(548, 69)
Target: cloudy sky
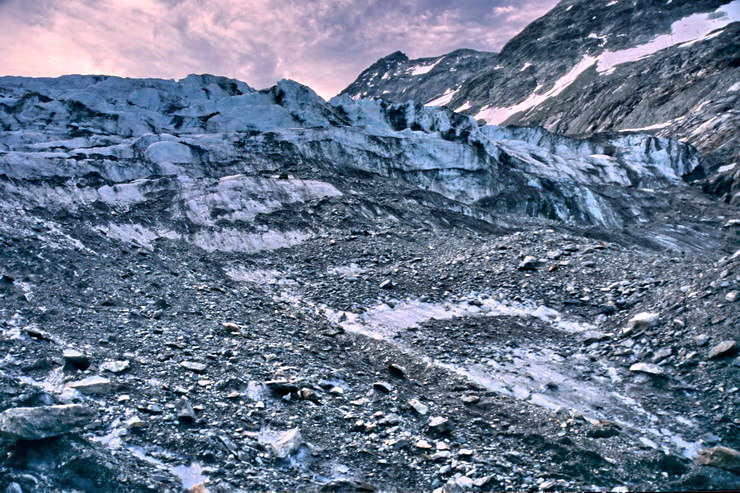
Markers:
point(322, 43)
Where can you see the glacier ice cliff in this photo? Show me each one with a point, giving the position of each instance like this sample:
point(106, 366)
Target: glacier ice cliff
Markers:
point(217, 155)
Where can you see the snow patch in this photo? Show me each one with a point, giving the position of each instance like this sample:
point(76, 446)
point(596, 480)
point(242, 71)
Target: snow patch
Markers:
point(423, 69)
point(689, 29)
point(726, 168)
point(651, 127)
point(496, 115)
point(463, 106)
point(444, 98)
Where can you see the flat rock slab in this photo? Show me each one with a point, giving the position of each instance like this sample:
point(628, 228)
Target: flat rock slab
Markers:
point(644, 320)
point(194, 366)
point(36, 423)
point(76, 359)
point(91, 385)
point(724, 348)
point(647, 368)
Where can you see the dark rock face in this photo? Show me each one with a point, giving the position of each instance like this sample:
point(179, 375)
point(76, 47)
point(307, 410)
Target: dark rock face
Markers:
point(669, 69)
point(430, 80)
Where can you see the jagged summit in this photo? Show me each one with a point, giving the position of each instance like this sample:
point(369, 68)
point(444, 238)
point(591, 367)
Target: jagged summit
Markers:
point(397, 78)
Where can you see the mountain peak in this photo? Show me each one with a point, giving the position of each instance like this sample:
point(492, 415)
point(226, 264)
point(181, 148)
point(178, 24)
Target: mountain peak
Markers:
point(397, 78)
point(396, 56)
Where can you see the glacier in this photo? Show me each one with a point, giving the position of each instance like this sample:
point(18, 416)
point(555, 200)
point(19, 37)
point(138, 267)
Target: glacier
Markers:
point(217, 154)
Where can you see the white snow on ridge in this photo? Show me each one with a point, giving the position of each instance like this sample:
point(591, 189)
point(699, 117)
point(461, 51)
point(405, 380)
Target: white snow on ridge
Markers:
point(444, 98)
point(423, 69)
point(689, 29)
point(463, 106)
point(494, 115)
point(683, 32)
point(657, 126)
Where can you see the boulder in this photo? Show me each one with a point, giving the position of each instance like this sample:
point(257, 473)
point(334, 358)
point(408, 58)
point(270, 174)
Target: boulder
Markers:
point(721, 457)
point(91, 385)
point(723, 349)
point(287, 443)
point(644, 320)
point(36, 423)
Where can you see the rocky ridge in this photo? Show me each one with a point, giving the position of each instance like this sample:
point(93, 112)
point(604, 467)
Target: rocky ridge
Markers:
point(666, 68)
point(425, 80)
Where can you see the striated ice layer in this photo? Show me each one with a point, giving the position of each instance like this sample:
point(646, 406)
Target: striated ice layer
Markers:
point(204, 157)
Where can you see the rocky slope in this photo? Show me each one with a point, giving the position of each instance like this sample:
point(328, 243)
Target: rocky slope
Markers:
point(668, 68)
point(426, 80)
point(207, 286)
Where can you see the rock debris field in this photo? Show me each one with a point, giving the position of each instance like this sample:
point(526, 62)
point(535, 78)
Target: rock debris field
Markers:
point(210, 288)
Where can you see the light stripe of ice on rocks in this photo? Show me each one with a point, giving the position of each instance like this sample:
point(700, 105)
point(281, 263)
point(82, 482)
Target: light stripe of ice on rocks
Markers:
point(242, 198)
point(137, 234)
point(383, 321)
point(595, 401)
point(257, 276)
point(233, 240)
point(211, 240)
point(190, 476)
point(522, 376)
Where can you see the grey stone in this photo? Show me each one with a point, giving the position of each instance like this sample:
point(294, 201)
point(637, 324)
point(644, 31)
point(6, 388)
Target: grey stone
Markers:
point(91, 385)
point(194, 366)
point(115, 366)
point(35, 423)
point(529, 263)
point(287, 443)
point(721, 457)
point(184, 410)
point(440, 424)
point(644, 320)
point(419, 407)
point(723, 349)
point(76, 359)
point(647, 368)
point(383, 387)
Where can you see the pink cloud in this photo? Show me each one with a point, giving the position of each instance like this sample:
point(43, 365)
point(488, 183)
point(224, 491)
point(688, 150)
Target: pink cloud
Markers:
point(322, 43)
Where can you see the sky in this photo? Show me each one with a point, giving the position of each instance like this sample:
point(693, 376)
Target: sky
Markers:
point(324, 44)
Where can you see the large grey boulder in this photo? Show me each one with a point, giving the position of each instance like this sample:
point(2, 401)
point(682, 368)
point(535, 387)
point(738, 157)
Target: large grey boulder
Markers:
point(36, 423)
